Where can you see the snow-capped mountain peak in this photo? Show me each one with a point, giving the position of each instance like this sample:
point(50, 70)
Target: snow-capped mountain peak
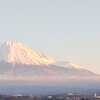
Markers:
point(17, 59)
point(17, 53)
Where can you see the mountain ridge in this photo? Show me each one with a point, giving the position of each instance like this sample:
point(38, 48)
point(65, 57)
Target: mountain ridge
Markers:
point(22, 61)
point(16, 52)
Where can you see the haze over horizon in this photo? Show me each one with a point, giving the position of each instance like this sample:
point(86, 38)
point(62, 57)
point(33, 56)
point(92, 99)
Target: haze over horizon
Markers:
point(62, 29)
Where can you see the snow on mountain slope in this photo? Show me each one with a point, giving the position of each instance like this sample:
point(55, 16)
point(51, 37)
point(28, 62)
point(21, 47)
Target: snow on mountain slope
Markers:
point(17, 60)
point(22, 70)
point(16, 53)
point(67, 65)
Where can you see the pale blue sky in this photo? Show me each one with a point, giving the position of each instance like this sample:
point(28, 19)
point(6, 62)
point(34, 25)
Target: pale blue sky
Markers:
point(63, 29)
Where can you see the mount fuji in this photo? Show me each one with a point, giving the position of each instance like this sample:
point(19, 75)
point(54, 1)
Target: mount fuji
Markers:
point(25, 71)
point(19, 61)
